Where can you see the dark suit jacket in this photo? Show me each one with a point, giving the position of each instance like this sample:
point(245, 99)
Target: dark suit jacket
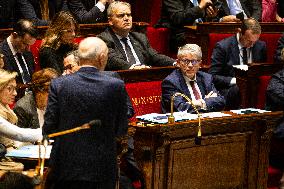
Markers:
point(176, 14)
point(226, 54)
point(252, 8)
point(7, 13)
point(85, 11)
point(275, 99)
point(26, 112)
point(10, 62)
point(78, 98)
point(147, 55)
point(280, 46)
point(175, 82)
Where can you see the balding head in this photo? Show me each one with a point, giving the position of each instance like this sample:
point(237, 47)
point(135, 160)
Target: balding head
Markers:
point(93, 51)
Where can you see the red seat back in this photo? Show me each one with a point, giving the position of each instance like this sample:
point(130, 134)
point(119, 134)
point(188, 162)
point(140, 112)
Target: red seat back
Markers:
point(271, 40)
point(213, 39)
point(35, 51)
point(159, 39)
point(145, 97)
point(262, 86)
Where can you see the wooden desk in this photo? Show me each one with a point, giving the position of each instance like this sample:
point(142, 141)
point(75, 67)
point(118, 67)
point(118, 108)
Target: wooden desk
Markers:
point(248, 81)
point(233, 153)
point(148, 74)
point(199, 34)
point(86, 30)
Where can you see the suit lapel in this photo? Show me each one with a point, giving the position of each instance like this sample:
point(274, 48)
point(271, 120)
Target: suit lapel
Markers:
point(117, 44)
point(235, 56)
point(137, 48)
point(201, 84)
point(12, 65)
point(182, 84)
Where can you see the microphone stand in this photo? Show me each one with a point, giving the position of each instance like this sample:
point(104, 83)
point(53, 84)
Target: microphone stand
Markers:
point(41, 160)
point(171, 118)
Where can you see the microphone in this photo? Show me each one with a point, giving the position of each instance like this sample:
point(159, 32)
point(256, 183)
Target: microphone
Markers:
point(95, 122)
point(171, 118)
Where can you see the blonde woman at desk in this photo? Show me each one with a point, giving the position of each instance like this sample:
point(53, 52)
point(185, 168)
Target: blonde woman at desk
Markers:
point(11, 134)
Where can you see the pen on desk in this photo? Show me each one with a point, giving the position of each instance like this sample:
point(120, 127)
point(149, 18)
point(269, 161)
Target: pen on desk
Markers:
point(209, 94)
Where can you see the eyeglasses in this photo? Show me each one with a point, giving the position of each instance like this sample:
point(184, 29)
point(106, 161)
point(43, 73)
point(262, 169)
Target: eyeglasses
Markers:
point(187, 61)
point(11, 89)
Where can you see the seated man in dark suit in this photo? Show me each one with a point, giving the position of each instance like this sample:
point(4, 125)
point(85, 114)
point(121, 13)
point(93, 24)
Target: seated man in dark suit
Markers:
point(7, 13)
point(176, 14)
point(278, 58)
point(88, 11)
point(240, 49)
point(38, 11)
point(275, 102)
point(128, 50)
point(15, 49)
point(197, 85)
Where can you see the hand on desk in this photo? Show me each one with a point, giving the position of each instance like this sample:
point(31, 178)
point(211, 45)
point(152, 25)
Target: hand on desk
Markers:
point(230, 18)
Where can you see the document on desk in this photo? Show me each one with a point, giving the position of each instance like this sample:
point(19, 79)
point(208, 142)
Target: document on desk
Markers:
point(179, 116)
point(241, 67)
point(249, 111)
point(30, 151)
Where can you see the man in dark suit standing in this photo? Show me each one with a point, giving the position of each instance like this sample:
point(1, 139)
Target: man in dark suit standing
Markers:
point(86, 159)
point(197, 85)
point(15, 49)
point(128, 50)
point(241, 49)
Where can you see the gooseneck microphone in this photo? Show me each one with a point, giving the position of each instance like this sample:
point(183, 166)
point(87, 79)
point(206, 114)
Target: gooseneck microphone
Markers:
point(95, 122)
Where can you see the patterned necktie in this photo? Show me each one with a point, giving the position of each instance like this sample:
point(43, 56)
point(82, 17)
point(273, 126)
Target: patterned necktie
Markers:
point(194, 90)
point(128, 51)
point(25, 75)
point(245, 56)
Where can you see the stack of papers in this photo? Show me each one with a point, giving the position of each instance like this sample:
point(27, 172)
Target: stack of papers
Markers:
point(249, 111)
point(179, 116)
point(30, 151)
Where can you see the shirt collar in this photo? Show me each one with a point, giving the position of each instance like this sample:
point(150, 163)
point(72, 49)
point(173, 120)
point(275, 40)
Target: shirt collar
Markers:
point(11, 46)
point(120, 37)
point(189, 80)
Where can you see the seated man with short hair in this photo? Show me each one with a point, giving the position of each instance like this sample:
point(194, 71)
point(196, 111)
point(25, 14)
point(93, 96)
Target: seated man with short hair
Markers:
point(241, 49)
point(128, 50)
point(197, 85)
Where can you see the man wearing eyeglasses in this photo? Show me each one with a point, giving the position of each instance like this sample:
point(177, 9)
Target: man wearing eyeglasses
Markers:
point(197, 85)
point(128, 50)
point(241, 49)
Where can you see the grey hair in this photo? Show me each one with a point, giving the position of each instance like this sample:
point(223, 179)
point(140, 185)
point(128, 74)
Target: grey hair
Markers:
point(6, 77)
point(89, 48)
point(115, 4)
point(190, 49)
